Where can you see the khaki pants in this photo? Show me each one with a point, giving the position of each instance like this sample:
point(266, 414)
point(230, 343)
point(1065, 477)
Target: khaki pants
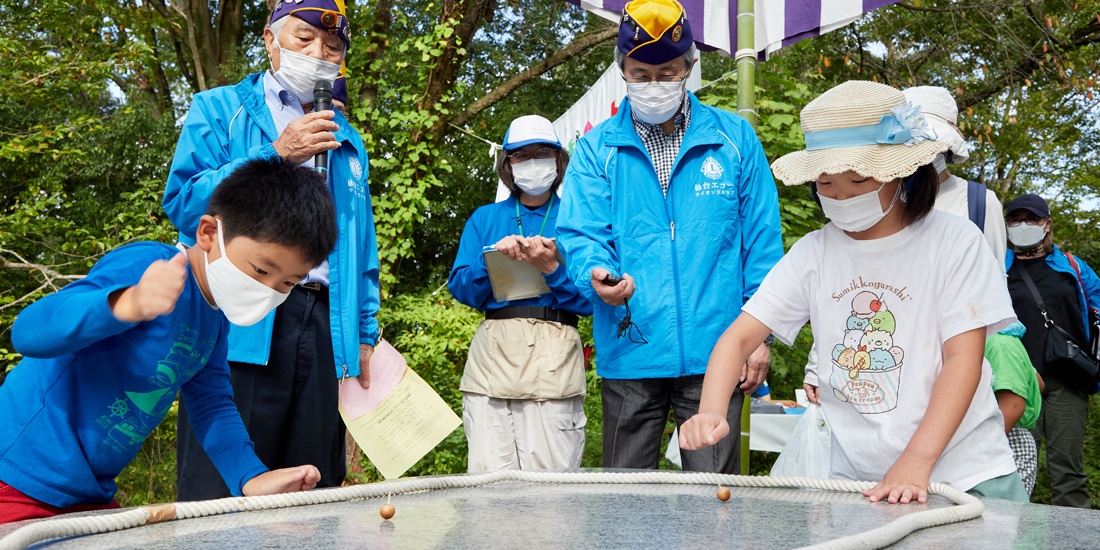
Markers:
point(523, 434)
point(524, 359)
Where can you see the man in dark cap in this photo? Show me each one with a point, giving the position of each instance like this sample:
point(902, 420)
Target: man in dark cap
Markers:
point(286, 367)
point(676, 197)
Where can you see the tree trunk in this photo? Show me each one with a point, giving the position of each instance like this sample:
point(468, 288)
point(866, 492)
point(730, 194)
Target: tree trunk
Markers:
point(368, 90)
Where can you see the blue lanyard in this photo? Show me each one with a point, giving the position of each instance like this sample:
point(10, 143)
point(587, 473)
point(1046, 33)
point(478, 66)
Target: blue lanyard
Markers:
point(544, 219)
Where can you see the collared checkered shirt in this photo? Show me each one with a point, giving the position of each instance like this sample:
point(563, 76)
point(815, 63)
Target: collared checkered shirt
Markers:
point(1026, 455)
point(662, 147)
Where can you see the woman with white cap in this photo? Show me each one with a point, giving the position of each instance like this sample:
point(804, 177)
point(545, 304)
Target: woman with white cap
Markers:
point(900, 297)
point(523, 385)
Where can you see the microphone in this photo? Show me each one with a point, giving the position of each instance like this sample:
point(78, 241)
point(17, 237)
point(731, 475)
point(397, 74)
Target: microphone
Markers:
point(322, 101)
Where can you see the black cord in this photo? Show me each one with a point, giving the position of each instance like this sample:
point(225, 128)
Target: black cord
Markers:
point(628, 328)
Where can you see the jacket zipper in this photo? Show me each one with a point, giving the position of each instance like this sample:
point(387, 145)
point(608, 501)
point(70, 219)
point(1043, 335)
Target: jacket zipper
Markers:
point(670, 209)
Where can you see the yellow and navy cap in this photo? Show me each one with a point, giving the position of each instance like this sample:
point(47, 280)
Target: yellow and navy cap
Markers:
point(654, 31)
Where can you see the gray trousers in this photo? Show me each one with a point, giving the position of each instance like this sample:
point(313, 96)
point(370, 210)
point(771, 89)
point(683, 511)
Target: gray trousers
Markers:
point(634, 416)
point(1062, 421)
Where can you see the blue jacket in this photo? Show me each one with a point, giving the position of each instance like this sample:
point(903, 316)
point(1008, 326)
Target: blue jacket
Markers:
point(230, 125)
point(90, 388)
point(696, 255)
point(1059, 262)
point(469, 280)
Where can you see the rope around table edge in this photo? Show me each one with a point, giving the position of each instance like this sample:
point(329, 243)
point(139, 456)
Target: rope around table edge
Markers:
point(966, 507)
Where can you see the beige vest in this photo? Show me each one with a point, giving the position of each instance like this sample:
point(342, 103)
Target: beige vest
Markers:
point(525, 359)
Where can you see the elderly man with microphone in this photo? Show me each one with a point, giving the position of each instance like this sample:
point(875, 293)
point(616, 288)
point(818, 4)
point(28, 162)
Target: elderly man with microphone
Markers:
point(285, 369)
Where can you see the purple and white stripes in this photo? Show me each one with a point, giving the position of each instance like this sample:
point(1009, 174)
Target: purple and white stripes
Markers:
point(779, 23)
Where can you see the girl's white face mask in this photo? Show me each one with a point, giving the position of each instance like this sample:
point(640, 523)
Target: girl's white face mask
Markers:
point(1027, 236)
point(299, 73)
point(656, 102)
point(244, 300)
point(535, 176)
point(858, 213)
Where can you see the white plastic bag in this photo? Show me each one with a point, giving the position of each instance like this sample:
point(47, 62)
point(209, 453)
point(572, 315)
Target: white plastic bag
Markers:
point(807, 451)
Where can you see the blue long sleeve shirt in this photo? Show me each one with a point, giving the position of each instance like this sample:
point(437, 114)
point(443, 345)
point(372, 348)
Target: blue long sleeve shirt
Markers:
point(91, 388)
point(469, 280)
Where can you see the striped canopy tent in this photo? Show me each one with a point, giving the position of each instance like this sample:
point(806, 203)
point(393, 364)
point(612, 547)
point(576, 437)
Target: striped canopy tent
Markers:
point(751, 29)
point(779, 23)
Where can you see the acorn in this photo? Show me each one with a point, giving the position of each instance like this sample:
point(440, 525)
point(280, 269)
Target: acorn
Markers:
point(723, 494)
point(388, 510)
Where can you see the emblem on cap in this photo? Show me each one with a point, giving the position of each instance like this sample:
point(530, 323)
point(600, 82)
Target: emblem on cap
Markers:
point(328, 19)
point(676, 33)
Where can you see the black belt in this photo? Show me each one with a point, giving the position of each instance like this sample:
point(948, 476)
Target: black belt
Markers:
point(533, 312)
point(313, 286)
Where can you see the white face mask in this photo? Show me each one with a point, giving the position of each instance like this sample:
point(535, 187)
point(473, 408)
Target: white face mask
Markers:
point(940, 163)
point(535, 176)
point(244, 300)
point(1027, 236)
point(858, 213)
point(655, 102)
point(299, 73)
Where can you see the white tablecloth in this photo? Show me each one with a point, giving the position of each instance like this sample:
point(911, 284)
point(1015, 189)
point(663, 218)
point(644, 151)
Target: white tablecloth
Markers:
point(767, 432)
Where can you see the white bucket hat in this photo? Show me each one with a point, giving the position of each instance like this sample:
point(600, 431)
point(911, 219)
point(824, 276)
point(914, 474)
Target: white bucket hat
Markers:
point(938, 106)
point(861, 126)
point(529, 129)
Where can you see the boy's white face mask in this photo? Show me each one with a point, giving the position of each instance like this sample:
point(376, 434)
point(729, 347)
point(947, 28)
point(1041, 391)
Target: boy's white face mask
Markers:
point(244, 300)
point(858, 213)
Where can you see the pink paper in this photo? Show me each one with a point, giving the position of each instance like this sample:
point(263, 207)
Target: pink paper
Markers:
point(387, 367)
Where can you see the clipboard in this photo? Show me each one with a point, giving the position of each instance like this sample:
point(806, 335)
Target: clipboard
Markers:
point(512, 279)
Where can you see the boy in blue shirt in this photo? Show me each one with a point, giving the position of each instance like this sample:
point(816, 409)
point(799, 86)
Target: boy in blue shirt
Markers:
point(105, 356)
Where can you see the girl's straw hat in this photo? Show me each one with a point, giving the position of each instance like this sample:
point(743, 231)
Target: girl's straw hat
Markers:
point(861, 126)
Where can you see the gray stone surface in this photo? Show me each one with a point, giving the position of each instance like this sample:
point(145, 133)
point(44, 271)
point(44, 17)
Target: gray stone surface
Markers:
point(544, 517)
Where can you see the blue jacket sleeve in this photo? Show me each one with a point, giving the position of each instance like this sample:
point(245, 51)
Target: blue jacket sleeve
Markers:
point(584, 221)
point(761, 232)
point(216, 422)
point(566, 294)
point(1090, 282)
point(78, 315)
point(369, 294)
point(469, 280)
point(202, 161)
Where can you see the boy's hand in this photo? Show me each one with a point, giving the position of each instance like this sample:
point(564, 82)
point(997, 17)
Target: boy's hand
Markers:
point(287, 480)
point(902, 483)
point(703, 430)
point(154, 295)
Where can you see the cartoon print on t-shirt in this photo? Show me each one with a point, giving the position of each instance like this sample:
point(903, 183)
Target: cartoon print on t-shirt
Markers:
point(867, 365)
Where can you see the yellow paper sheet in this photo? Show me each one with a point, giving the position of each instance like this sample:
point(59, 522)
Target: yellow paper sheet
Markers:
point(402, 429)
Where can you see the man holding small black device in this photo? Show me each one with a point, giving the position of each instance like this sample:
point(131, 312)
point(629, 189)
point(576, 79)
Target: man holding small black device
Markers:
point(669, 222)
point(285, 369)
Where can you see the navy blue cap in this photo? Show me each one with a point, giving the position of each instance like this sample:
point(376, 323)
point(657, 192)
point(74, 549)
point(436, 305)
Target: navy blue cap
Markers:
point(654, 31)
point(1032, 203)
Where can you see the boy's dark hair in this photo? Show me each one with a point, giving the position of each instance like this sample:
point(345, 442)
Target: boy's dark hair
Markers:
point(272, 201)
point(921, 197)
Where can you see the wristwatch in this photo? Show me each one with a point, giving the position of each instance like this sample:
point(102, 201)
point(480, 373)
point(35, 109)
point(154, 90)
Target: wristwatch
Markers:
point(768, 341)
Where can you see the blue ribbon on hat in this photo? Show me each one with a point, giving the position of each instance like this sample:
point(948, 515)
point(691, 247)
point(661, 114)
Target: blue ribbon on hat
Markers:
point(888, 131)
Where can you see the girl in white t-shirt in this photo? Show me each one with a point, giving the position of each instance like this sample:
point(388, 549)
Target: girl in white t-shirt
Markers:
point(900, 298)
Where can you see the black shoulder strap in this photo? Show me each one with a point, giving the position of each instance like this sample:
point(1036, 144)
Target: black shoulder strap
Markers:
point(975, 203)
point(1034, 291)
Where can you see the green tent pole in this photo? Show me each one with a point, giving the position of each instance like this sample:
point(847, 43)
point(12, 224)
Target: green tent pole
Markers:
point(746, 107)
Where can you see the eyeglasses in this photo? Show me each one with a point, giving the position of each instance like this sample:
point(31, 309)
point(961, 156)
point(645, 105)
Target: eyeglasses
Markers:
point(1032, 220)
point(644, 80)
point(524, 156)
